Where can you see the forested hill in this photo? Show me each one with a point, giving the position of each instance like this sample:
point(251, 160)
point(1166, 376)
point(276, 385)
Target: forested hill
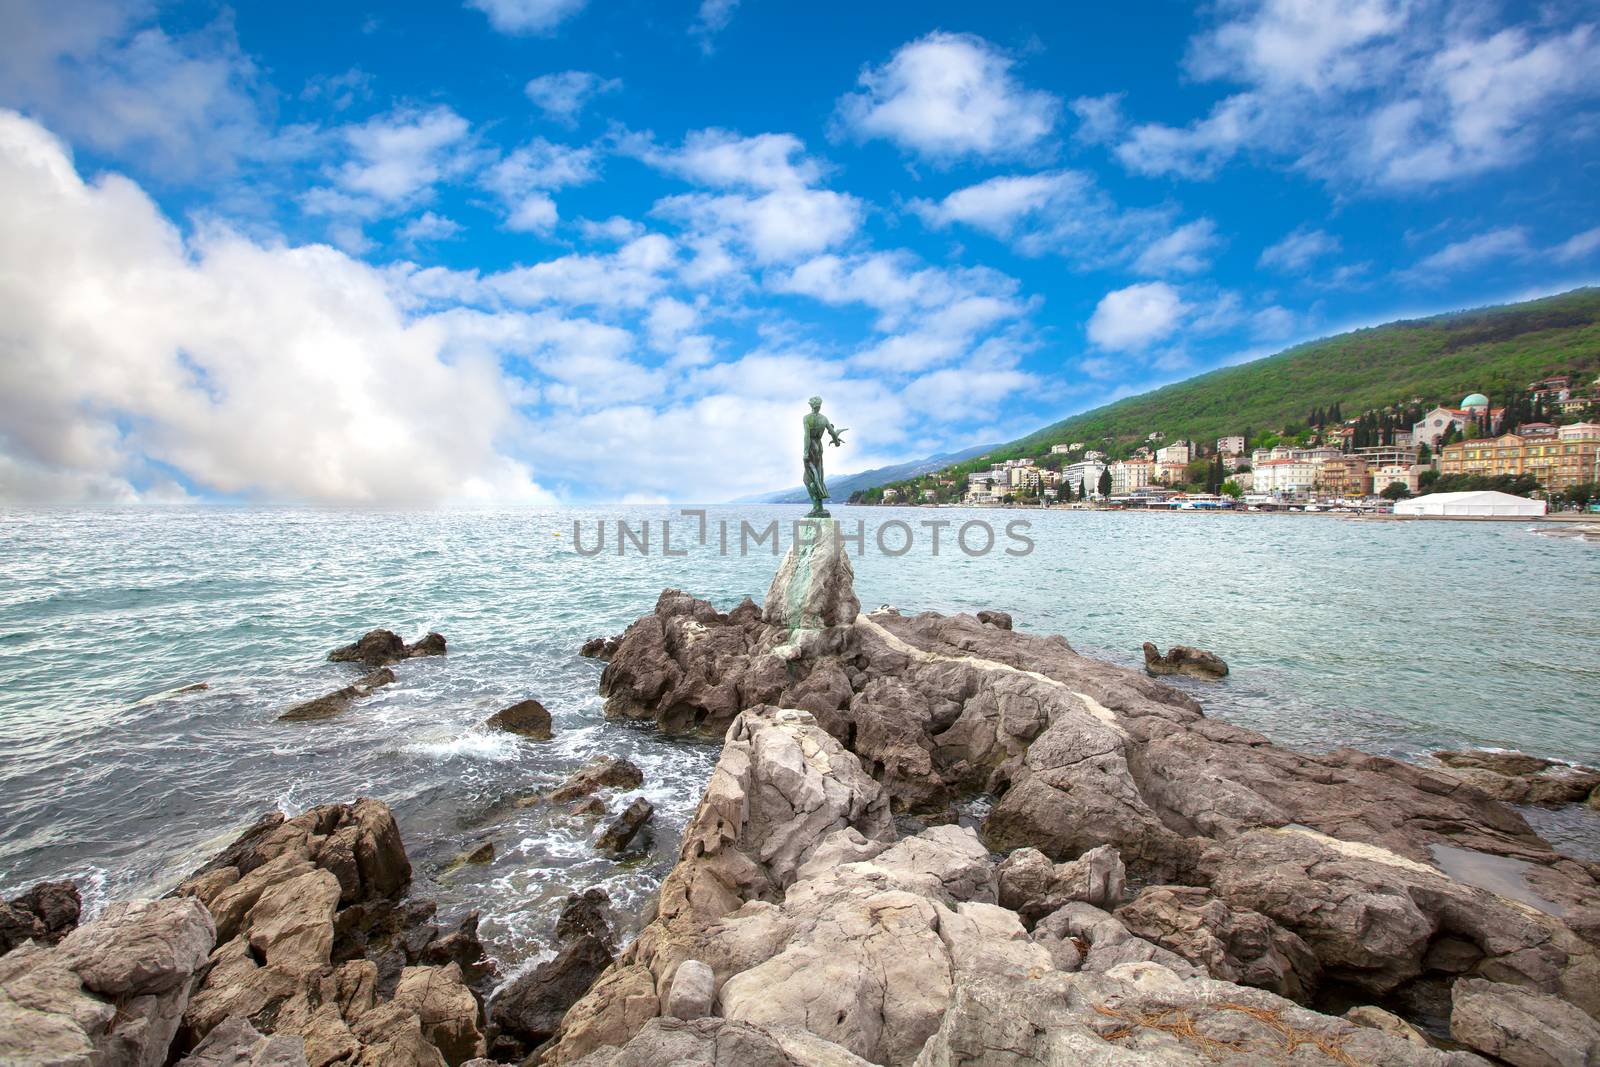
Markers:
point(1440, 359)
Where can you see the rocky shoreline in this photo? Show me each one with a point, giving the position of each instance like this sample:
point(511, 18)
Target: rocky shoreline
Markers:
point(929, 840)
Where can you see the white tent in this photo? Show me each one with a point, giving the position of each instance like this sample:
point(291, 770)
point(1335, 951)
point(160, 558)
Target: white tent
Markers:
point(1471, 505)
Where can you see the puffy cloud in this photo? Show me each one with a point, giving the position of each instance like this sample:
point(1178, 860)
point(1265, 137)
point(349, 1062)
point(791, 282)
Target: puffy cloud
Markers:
point(1374, 92)
point(775, 227)
point(563, 96)
point(523, 179)
point(945, 96)
point(727, 160)
point(1136, 317)
point(393, 161)
point(1298, 250)
point(1062, 212)
point(629, 277)
point(1183, 251)
point(429, 227)
point(250, 369)
point(183, 107)
point(527, 16)
point(1509, 242)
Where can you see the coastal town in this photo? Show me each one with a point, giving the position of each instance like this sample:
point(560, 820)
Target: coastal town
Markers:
point(1541, 443)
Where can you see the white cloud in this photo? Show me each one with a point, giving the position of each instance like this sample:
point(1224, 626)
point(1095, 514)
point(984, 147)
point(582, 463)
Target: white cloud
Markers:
point(1183, 251)
point(523, 179)
point(726, 160)
point(527, 16)
point(1136, 317)
point(630, 277)
point(563, 96)
point(1510, 242)
point(429, 227)
point(184, 107)
point(393, 162)
point(945, 96)
point(248, 369)
point(775, 227)
point(1099, 117)
point(1376, 92)
point(1062, 212)
point(1578, 246)
point(712, 18)
point(1298, 249)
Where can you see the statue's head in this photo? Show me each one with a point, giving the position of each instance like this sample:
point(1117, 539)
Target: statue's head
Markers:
point(816, 403)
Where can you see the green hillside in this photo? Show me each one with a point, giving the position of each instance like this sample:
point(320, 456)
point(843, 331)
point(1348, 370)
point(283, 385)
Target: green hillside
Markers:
point(1491, 350)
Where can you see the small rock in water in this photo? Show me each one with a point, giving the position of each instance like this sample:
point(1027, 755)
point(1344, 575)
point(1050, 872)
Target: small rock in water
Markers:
point(326, 707)
point(599, 647)
point(624, 827)
point(602, 772)
point(1181, 659)
point(46, 913)
point(1518, 778)
point(588, 806)
point(586, 914)
point(527, 718)
point(377, 648)
point(1002, 619)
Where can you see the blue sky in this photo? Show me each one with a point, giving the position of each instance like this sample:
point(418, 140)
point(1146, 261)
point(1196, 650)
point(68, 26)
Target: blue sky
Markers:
point(557, 250)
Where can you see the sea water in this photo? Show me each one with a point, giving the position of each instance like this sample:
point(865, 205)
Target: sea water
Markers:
point(1399, 638)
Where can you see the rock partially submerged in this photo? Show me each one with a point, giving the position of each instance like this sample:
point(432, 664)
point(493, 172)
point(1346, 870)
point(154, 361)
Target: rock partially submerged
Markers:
point(45, 913)
point(602, 648)
point(601, 772)
point(623, 829)
point(1266, 875)
point(528, 1010)
point(338, 701)
point(1519, 778)
point(526, 718)
point(379, 648)
point(1181, 659)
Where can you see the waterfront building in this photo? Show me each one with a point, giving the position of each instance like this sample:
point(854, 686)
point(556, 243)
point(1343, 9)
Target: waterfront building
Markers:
point(1172, 472)
point(1471, 505)
point(1285, 476)
point(1085, 472)
point(1474, 410)
point(1559, 460)
point(1385, 476)
point(1343, 476)
point(1129, 475)
point(1388, 456)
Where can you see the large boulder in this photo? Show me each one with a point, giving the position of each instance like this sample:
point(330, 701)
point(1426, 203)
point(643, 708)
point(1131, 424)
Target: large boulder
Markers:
point(527, 718)
point(235, 1043)
point(1518, 778)
point(46, 913)
point(814, 588)
point(1521, 1027)
point(601, 772)
point(623, 829)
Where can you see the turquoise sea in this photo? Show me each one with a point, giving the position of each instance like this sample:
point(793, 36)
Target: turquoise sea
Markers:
point(1399, 638)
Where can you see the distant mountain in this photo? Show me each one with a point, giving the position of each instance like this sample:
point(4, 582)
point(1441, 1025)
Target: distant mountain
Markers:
point(1440, 359)
point(841, 487)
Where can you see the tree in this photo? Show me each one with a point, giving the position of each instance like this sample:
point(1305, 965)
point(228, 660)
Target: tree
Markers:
point(1233, 489)
point(1424, 453)
point(1427, 477)
point(1105, 483)
point(1083, 490)
point(1395, 491)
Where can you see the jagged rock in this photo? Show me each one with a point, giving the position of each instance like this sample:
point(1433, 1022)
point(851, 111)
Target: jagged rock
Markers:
point(1518, 778)
point(291, 924)
point(377, 648)
point(331, 704)
point(814, 588)
point(526, 717)
point(624, 827)
point(1234, 945)
point(1387, 1021)
point(532, 1005)
point(46, 913)
point(588, 806)
point(721, 1043)
point(1000, 619)
point(1521, 1027)
point(446, 1008)
point(235, 1043)
point(1034, 887)
point(585, 914)
point(694, 991)
point(113, 990)
point(1181, 659)
point(602, 648)
point(475, 856)
point(601, 772)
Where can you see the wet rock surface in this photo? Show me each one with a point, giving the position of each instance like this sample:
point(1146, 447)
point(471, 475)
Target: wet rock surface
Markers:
point(338, 701)
point(378, 648)
point(1148, 886)
point(1181, 659)
point(527, 718)
point(46, 913)
point(1518, 778)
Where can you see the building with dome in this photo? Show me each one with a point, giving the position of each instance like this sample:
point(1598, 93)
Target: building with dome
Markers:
point(1436, 423)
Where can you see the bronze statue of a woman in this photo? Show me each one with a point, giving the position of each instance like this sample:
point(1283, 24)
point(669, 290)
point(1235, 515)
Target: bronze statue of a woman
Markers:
point(817, 424)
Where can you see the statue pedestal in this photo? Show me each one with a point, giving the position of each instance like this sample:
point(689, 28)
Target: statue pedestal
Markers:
point(815, 585)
